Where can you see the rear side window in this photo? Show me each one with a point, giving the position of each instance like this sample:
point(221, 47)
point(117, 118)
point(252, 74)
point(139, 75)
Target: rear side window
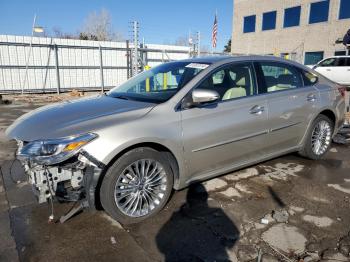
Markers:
point(343, 61)
point(279, 77)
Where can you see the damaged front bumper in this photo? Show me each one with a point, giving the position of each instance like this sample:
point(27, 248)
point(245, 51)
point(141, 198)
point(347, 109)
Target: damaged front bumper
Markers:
point(73, 180)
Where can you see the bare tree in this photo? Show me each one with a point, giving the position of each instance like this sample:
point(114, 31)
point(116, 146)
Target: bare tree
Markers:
point(181, 41)
point(98, 26)
point(205, 49)
point(57, 32)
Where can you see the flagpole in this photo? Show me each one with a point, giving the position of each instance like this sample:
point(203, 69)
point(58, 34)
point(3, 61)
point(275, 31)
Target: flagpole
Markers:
point(216, 18)
point(214, 34)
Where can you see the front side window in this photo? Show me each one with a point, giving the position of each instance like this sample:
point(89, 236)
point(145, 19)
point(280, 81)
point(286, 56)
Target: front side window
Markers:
point(344, 10)
point(233, 81)
point(249, 24)
point(328, 62)
point(158, 84)
point(319, 12)
point(279, 77)
point(269, 21)
point(312, 58)
point(292, 16)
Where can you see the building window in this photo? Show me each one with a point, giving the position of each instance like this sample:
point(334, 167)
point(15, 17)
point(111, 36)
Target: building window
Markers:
point(344, 10)
point(249, 24)
point(339, 53)
point(292, 16)
point(319, 12)
point(269, 21)
point(312, 58)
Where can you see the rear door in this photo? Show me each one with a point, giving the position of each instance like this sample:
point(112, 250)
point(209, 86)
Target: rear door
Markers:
point(291, 103)
point(229, 132)
point(343, 70)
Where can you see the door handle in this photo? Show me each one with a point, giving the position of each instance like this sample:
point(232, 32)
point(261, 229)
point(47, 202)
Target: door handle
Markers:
point(328, 70)
point(311, 98)
point(257, 110)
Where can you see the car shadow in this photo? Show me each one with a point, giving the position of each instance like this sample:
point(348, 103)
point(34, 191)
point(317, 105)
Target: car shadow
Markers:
point(197, 231)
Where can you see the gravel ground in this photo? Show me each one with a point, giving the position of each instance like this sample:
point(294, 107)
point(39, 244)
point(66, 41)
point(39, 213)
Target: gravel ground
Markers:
point(286, 209)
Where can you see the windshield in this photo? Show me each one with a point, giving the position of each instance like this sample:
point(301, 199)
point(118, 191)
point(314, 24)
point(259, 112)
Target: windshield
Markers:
point(158, 84)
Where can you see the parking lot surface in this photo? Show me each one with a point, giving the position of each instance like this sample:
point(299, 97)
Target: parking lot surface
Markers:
point(286, 209)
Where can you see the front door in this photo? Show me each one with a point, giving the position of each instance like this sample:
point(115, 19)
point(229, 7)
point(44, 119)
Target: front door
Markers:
point(329, 68)
point(232, 131)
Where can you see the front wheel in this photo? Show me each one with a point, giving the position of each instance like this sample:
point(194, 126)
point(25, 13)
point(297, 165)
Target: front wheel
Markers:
point(319, 138)
point(137, 185)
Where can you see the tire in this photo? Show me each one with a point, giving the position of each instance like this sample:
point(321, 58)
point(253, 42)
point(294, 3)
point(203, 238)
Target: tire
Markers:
point(123, 185)
point(309, 149)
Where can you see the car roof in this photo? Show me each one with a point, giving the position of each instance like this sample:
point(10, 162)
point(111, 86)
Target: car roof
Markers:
point(337, 56)
point(229, 58)
point(208, 59)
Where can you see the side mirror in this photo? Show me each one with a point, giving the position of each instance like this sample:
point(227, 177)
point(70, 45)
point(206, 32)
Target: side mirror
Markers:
point(200, 96)
point(311, 77)
point(314, 79)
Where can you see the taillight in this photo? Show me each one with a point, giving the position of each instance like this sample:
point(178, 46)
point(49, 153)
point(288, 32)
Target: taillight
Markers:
point(342, 90)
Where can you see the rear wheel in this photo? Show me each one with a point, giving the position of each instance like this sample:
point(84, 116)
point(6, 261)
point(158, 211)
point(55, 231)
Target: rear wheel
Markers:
point(319, 138)
point(137, 185)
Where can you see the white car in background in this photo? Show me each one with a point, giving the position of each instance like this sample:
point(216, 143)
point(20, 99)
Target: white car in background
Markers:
point(336, 68)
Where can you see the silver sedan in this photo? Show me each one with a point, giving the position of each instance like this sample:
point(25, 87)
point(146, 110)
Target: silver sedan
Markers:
point(174, 125)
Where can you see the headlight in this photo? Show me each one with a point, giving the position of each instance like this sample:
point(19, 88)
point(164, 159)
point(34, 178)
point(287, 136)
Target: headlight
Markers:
point(53, 151)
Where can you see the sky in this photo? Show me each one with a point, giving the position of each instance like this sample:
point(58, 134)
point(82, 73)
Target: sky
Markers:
point(161, 22)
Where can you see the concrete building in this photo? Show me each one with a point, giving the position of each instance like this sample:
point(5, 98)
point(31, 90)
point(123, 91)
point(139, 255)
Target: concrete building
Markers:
point(302, 30)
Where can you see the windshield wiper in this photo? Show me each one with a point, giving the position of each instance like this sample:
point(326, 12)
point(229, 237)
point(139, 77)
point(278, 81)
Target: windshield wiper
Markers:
point(122, 97)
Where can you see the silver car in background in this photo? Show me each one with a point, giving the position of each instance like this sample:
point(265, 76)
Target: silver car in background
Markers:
point(174, 125)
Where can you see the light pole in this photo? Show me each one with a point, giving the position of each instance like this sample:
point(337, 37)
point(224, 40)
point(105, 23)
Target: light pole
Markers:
point(198, 43)
point(35, 29)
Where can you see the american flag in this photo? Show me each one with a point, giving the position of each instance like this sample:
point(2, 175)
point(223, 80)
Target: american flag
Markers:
point(215, 32)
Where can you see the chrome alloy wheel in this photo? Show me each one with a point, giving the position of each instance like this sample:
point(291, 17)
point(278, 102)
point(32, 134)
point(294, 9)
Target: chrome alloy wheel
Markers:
point(321, 137)
point(140, 188)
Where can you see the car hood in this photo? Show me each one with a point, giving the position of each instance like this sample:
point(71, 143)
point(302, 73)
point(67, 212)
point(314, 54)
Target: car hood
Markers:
point(76, 117)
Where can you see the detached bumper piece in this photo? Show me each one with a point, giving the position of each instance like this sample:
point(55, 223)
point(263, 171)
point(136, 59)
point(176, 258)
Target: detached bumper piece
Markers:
point(71, 181)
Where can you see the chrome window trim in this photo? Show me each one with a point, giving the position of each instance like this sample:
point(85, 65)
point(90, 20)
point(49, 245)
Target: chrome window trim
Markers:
point(217, 69)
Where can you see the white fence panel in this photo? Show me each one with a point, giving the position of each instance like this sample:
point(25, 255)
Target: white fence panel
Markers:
point(53, 64)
